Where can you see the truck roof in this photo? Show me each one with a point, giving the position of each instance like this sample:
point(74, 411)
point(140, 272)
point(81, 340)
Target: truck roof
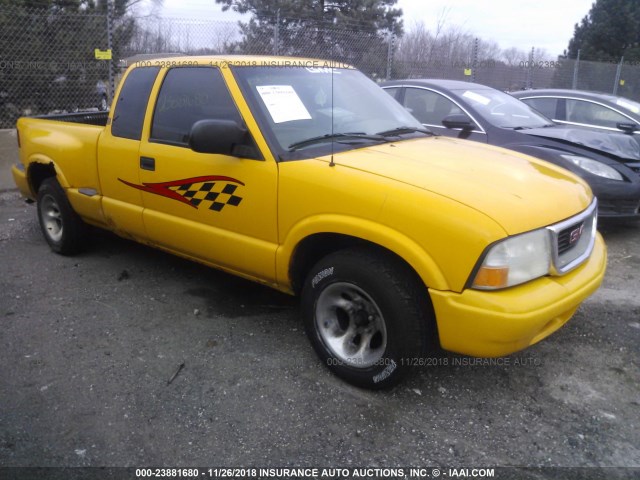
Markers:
point(241, 60)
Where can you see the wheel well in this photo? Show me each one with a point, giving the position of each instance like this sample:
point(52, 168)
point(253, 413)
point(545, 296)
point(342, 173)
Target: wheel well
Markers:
point(38, 173)
point(310, 250)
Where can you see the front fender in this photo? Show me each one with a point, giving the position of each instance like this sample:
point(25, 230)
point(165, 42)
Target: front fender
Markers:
point(370, 231)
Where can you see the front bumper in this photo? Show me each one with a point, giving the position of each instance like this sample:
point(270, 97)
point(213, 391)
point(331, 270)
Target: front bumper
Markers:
point(617, 199)
point(492, 324)
point(619, 208)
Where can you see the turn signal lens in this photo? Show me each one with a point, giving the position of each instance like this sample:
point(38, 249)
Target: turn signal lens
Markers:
point(492, 277)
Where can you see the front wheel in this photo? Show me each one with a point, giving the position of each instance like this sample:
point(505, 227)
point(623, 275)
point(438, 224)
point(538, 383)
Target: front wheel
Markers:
point(367, 316)
point(61, 226)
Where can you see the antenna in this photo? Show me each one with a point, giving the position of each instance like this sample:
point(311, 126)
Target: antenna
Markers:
point(332, 163)
point(331, 63)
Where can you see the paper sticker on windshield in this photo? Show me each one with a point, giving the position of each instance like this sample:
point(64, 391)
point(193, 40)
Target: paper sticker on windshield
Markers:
point(629, 106)
point(326, 69)
point(476, 97)
point(283, 103)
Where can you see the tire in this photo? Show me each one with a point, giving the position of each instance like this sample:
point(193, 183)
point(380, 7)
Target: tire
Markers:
point(367, 315)
point(103, 105)
point(61, 226)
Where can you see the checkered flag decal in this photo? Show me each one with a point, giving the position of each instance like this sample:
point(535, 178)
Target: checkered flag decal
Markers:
point(214, 191)
point(216, 194)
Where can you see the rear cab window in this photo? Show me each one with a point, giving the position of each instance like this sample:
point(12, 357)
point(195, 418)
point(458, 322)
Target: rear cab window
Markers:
point(131, 106)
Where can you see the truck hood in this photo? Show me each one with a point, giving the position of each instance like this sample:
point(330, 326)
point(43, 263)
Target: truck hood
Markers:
point(619, 144)
point(519, 192)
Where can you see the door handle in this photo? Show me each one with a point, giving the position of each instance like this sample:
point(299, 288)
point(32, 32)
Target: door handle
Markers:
point(147, 163)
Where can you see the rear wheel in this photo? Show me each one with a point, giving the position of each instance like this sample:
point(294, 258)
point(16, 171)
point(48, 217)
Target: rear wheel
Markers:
point(61, 226)
point(367, 316)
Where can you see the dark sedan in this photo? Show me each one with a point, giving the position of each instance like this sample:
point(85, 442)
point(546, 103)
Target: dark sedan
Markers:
point(599, 111)
point(610, 163)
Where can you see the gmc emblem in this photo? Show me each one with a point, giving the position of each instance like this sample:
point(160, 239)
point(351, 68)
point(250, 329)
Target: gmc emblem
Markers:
point(575, 235)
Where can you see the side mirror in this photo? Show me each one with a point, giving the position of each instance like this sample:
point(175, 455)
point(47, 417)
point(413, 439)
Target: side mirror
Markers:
point(627, 127)
point(458, 120)
point(216, 136)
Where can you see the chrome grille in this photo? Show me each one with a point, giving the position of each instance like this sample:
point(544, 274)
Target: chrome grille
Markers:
point(573, 239)
point(567, 237)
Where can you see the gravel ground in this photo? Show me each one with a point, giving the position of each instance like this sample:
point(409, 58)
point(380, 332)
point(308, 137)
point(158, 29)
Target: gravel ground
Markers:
point(127, 356)
point(8, 157)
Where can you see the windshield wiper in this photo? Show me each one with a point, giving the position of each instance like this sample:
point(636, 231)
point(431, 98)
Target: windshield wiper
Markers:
point(401, 130)
point(332, 136)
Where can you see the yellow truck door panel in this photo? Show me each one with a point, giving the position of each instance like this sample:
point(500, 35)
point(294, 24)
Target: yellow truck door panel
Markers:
point(219, 208)
point(118, 156)
point(122, 206)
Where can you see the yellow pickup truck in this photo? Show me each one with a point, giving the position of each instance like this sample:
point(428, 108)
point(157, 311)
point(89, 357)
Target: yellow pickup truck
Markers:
point(307, 177)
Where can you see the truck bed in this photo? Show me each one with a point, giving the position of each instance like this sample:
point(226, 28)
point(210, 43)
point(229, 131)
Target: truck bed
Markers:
point(68, 142)
point(87, 118)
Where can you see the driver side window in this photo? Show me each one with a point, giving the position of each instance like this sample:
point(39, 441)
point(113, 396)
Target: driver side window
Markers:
point(545, 105)
point(593, 114)
point(429, 107)
point(189, 94)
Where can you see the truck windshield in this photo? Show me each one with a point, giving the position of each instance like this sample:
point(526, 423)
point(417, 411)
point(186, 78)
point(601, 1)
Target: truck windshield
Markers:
point(302, 110)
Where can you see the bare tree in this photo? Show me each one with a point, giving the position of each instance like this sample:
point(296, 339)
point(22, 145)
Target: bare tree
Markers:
point(488, 50)
point(416, 44)
point(514, 56)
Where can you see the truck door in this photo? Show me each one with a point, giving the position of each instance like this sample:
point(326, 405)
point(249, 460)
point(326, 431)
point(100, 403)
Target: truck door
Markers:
point(118, 159)
point(216, 208)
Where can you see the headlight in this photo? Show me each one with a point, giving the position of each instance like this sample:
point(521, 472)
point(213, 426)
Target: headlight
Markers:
point(515, 260)
point(594, 167)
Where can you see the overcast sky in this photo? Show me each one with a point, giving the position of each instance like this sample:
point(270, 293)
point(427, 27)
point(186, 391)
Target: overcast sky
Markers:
point(545, 24)
point(523, 24)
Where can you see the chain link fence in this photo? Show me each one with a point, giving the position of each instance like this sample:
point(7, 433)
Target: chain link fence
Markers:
point(48, 58)
point(367, 50)
point(621, 79)
point(48, 64)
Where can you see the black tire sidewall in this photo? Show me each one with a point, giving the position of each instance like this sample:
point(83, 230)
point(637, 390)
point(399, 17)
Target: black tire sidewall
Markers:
point(72, 227)
point(343, 267)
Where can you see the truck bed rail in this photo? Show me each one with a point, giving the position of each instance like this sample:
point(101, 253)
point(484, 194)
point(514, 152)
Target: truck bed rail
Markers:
point(88, 118)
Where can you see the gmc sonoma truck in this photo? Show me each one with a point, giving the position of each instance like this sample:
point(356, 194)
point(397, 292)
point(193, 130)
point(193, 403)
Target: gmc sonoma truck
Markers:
point(307, 177)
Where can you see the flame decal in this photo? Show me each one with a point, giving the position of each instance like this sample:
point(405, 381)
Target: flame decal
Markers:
point(164, 188)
